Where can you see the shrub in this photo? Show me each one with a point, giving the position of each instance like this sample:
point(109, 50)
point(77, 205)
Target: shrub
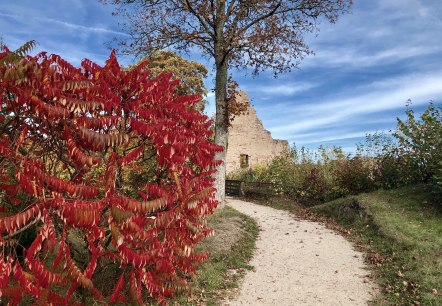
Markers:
point(420, 144)
point(70, 139)
point(437, 179)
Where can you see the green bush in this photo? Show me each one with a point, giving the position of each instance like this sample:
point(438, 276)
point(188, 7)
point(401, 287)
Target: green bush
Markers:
point(437, 179)
point(420, 143)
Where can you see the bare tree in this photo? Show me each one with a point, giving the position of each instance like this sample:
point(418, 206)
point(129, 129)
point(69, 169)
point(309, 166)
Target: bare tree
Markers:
point(256, 34)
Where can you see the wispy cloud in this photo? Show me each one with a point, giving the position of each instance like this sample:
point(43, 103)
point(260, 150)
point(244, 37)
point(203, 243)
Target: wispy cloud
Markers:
point(318, 138)
point(347, 107)
point(65, 24)
point(379, 33)
point(354, 58)
point(210, 108)
point(75, 31)
point(286, 89)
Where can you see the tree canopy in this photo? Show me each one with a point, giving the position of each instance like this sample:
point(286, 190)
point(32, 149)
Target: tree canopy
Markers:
point(261, 34)
point(191, 74)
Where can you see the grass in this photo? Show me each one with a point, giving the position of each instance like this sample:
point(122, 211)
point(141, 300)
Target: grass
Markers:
point(230, 249)
point(401, 233)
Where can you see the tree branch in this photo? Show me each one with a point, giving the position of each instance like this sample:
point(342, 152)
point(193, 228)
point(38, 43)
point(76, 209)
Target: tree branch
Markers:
point(262, 17)
point(204, 21)
point(20, 230)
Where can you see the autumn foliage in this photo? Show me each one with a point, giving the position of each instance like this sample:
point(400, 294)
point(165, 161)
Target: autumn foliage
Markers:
point(70, 139)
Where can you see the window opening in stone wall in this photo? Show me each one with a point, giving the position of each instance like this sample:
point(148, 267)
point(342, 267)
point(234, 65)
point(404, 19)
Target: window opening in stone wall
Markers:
point(244, 160)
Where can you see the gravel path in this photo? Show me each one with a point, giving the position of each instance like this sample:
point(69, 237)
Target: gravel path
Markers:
point(300, 263)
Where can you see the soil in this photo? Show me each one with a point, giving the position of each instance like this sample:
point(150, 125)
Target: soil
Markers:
point(299, 262)
point(227, 234)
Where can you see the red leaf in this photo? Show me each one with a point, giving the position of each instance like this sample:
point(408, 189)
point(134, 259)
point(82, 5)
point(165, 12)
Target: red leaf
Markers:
point(119, 286)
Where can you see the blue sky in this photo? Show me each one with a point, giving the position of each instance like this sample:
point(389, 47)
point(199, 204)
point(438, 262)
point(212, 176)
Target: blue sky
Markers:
point(364, 70)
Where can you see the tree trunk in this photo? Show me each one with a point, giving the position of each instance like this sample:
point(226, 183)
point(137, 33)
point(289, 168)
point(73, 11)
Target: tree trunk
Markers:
point(221, 131)
point(221, 118)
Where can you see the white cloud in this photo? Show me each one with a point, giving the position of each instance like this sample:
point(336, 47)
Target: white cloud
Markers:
point(210, 108)
point(65, 24)
point(353, 58)
point(376, 97)
point(379, 32)
point(287, 89)
point(319, 137)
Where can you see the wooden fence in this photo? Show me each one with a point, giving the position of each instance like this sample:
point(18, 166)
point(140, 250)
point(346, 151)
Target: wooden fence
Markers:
point(259, 189)
point(234, 188)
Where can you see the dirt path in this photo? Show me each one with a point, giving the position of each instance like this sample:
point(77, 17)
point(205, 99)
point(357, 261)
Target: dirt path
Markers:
point(300, 263)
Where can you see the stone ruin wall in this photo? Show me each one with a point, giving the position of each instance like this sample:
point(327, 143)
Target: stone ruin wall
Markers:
point(248, 136)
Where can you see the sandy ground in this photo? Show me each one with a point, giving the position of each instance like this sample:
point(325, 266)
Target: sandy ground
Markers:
point(299, 262)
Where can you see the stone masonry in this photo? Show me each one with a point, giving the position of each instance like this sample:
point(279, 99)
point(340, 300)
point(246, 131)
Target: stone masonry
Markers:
point(249, 143)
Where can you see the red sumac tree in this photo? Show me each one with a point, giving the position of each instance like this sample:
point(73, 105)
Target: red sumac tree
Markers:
point(70, 139)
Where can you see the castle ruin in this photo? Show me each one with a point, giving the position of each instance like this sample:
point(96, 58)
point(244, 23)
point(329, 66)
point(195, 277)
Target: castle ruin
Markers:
point(249, 143)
